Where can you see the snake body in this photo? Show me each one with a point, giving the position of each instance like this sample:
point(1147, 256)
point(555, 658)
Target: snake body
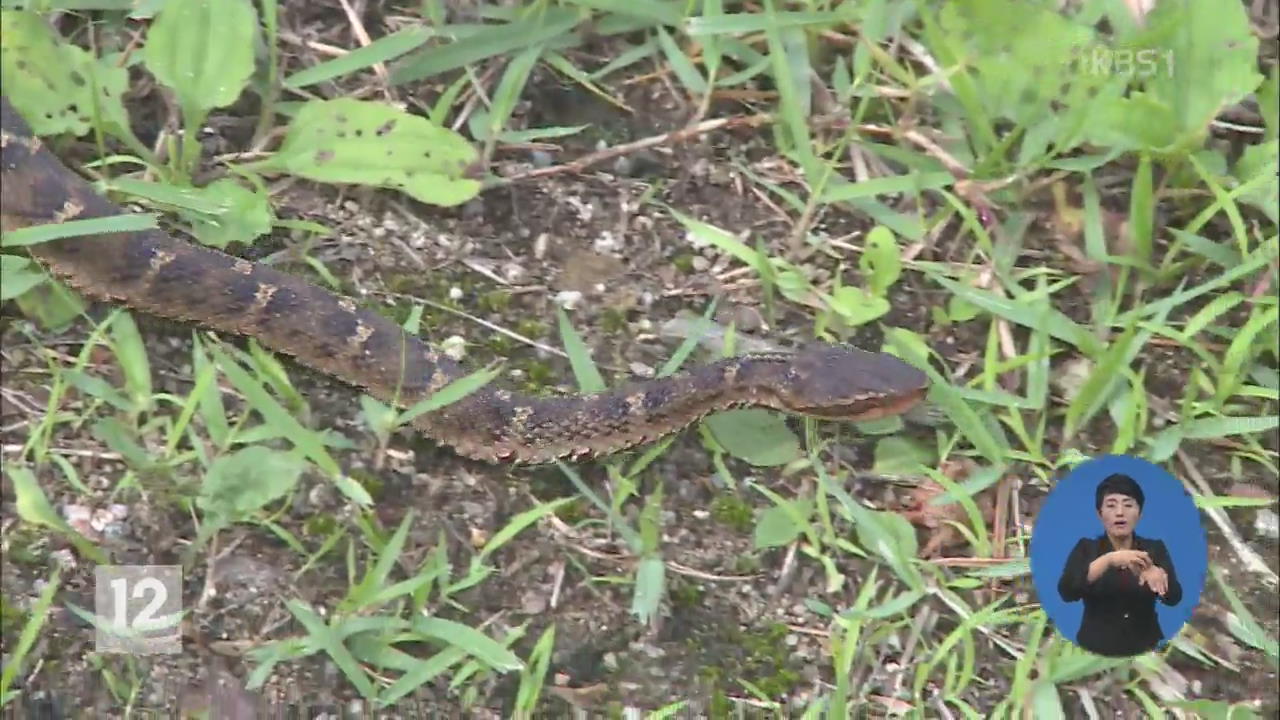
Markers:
point(155, 273)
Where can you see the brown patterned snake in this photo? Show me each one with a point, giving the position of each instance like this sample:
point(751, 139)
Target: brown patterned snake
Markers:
point(158, 274)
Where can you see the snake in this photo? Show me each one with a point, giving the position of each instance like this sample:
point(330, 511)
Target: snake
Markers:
point(153, 272)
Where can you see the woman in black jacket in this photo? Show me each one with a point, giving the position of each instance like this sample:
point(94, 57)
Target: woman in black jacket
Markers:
point(1119, 575)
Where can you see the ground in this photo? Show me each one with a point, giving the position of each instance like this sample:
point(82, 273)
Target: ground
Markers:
point(736, 620)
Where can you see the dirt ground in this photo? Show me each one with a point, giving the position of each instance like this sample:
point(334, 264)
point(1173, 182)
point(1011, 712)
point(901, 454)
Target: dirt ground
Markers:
point(503, 258)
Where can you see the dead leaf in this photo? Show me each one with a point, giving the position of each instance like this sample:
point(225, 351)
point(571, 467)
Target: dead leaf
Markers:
point(937, 519)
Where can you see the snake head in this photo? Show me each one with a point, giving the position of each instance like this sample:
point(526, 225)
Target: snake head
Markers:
point(842, 382)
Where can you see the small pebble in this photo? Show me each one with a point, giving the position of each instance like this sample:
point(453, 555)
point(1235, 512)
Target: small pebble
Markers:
point(623, 166)
point(568, 299)
point(513, 273)
point(473, 209)
point(1072, 375)
point(606, 243)
point(454, 346)
point(1267, 523)
point(639, 369)
point(100, 519)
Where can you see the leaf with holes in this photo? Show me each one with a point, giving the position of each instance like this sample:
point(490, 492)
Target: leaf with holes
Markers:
point(880, 261)
point(369, 143)
point(56, 86)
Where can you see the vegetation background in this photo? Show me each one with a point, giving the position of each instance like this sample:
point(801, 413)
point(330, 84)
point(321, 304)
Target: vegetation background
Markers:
point(1066, 211)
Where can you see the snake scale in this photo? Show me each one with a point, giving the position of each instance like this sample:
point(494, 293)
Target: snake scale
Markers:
point(155, 273)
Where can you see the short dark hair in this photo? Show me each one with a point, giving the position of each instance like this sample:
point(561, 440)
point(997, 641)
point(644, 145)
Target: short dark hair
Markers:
point(1121, 484)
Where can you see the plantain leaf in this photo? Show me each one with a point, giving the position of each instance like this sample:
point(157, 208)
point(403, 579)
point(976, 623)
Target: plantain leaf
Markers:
point(369, 143)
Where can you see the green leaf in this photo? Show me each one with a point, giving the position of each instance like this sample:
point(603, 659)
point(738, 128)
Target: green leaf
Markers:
point(1218, 427)
point(370, 143)
point(36, 619)
point(34, 507)
point(57, 86)
point(51, 305)
point(881, 261)
point(510, 88)
point(1269, 103)
point(202, 50)
point(88, 229)
point(379, 51)
point(18, 275)
point(986, 436)
point(1142, 212)
point(650, 588)
point(900, 456)
point(681, 65)
point(777, 524)
point(519, 523)
point(325, 638)
point(1103, 380)
point(474, 642)
point(584, 368)
point(1203, 56)
point(535, 28)
point(856, 306)
point(311, 443)
point(757, 436)
point(913, 183)
point(1261, 161)
point(1020, 54)
point(239, 484)
point(451, 393)
point(1029, 315)
point(245, 216)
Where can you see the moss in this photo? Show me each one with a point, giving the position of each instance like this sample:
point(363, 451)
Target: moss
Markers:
point(499, 344)
point(496, 301)
point(733, 511)
point(531, 328)
point(11, 617)
point(613, 320)
point(686, 594)
point(719, 707)
point(369, 481)
point(758, 657)
point(574, 512)
point(320, 525)
point(683, 262)
point(23, 540)
point(746, 564)
point(539, 376)
point(765, 664)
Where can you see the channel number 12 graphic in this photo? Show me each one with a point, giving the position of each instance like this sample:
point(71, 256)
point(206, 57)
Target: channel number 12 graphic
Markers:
point(138, 609)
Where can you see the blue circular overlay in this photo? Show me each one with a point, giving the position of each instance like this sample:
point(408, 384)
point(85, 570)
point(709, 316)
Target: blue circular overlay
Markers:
point(1070, 514)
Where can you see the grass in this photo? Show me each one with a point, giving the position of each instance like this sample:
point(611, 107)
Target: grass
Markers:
point(955, 132)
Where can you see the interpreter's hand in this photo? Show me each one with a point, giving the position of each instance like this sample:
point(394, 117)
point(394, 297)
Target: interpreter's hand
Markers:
point(1136, 561)
point(1155, 578)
